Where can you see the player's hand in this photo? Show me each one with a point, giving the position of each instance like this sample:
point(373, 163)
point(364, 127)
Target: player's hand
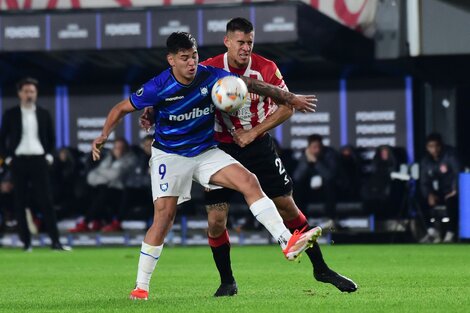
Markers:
point(146, 120)
point(243, 137)
point(96, 147)
point(304, 103)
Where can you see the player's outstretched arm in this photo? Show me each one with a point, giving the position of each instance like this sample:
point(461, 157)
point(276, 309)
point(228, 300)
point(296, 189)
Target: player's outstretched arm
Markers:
point(243, 137)
point(114, 117)
point(303, 103)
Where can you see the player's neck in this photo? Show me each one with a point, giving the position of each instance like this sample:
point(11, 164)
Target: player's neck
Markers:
point(181, 79)
point(236, 66)
point(237, 69)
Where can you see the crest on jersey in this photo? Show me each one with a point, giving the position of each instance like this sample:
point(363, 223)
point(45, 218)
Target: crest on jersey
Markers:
point(204, 91)
point(164, 187)
point(140, 92)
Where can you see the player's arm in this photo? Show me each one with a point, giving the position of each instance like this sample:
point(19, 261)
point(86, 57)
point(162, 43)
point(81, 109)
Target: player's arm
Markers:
point(244, 137)
point(113, 118)
point(302, 103)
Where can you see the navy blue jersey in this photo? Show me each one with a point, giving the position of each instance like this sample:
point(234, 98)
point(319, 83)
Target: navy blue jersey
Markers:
point(184, 114)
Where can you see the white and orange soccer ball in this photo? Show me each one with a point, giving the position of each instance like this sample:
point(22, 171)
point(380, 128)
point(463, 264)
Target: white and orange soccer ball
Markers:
point(229, 94)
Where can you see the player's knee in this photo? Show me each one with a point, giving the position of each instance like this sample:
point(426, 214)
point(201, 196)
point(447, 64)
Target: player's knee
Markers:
point(217, 219)
point(216, 229)
point(250, 182)
point(164, 213)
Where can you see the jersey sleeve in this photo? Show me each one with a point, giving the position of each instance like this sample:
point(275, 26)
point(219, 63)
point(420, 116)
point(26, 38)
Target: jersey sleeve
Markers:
point(145, 96)
point(276, 77)
point(206, 62)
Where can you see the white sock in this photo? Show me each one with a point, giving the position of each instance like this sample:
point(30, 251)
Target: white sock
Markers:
point(149, 256)
point(266, 213)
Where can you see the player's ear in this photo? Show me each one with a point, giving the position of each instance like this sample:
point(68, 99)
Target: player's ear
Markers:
point(226, 41)
point(171, 59)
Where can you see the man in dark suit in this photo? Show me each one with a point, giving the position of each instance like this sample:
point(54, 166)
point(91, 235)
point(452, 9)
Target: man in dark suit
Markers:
point(26, 143)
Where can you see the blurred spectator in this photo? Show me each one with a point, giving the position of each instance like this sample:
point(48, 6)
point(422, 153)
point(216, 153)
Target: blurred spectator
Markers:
point(6, 201)
point(26, 143)
point(107, 182)
point(378, 192)
point(138, 194)
point(440, 168)
point(315, 175)
point(349, 175)
point(65, 171)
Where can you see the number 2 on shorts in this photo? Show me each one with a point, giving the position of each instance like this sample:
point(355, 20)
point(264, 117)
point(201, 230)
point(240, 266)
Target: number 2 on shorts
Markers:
point(162, 170)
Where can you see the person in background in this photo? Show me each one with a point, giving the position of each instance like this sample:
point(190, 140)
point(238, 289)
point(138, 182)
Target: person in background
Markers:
point(440, 169)
point(65, 173)
point(137, 192)
point(27, 141)
point(316, 175)
point(107, 181)
point(349, 174)
point(379, 192)
point(7, 213)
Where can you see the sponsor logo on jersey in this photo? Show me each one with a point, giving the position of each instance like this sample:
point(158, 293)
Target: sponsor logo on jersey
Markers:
point(140, 92)
point(204, 91)
point(164, 187)
point(278, 74)
point(195, 113)
point(243, 113)
point(174, 98)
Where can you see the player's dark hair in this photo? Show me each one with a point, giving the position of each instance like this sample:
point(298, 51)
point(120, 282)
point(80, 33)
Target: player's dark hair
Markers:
point(239, 24)
point(436, 137)
point(178, 41)
point(314, 138)
point(27, 81)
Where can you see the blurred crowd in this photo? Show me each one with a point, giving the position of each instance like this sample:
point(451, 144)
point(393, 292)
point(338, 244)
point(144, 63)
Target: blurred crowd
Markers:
point(99, 196)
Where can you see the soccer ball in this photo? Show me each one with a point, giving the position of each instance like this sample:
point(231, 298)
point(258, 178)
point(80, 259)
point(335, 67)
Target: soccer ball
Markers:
point(229, 94)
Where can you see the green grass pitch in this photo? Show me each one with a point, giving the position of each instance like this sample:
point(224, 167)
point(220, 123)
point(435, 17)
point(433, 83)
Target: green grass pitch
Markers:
point(391, 278)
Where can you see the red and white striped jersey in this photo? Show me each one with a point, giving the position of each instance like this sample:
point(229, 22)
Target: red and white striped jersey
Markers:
point(256, 108)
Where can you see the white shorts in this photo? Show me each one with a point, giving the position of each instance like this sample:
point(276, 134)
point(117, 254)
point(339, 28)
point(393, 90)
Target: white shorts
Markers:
point(172, 174)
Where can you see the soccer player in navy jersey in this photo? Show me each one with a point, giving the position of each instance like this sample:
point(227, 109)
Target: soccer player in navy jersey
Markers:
point(184, 149)
point(244, 135)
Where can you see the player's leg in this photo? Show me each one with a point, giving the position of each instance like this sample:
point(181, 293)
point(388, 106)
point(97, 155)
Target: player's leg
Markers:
point(152, 246)
point(294, 219)
point(215, 167)
point(171, 184)
point(262, 159)
point(219, 240)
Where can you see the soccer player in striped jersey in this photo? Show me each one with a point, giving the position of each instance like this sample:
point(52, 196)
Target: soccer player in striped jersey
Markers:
point(244, 136)
point(184, 149)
